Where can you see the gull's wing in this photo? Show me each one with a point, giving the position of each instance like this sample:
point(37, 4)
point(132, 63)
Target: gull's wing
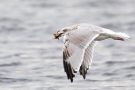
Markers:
point(87, 60)
point(74, 48)
point(71, 59)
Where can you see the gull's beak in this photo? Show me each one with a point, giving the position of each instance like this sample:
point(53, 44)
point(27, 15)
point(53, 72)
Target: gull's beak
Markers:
point(57, 35)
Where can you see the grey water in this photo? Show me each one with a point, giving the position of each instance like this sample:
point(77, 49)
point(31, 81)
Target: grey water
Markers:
point(30, 59)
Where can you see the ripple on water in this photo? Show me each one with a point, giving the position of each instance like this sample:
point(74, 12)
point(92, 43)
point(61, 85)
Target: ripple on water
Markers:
point(14, 64)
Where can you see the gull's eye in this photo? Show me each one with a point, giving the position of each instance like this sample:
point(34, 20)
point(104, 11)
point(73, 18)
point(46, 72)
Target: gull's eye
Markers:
point(65, 30)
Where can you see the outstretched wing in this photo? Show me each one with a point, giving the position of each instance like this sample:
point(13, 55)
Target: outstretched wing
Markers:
point(74, 48)
point(87, 60)
point(71, 59)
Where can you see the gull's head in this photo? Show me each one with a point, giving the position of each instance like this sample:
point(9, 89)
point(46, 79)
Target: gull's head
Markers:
point(61, 32)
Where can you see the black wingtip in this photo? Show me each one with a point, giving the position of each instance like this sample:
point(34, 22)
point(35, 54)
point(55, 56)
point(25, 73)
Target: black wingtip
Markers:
point(84, 76)
point(69, 71)
point(71, 80)
point(83, 72)
point(67, 66)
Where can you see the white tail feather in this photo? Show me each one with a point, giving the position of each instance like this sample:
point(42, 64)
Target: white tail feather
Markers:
point(120, 36)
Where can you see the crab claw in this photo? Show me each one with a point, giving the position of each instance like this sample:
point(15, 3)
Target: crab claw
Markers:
point(57, 35)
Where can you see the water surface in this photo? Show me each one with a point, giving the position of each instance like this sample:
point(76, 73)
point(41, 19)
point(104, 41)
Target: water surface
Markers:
point(31, 60)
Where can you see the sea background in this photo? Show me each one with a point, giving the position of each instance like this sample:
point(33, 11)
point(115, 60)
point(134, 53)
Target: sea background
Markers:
point(30, 59)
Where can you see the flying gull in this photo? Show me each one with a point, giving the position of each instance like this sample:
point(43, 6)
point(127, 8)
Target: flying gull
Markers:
point(78, 47)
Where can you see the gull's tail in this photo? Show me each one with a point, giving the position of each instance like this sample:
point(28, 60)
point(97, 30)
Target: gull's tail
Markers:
point(120, 36)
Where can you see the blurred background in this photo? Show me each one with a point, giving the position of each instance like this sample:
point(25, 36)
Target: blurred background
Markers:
point(30, 59)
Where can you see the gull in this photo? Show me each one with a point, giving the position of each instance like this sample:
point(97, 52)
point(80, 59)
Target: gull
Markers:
point(79, 41)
